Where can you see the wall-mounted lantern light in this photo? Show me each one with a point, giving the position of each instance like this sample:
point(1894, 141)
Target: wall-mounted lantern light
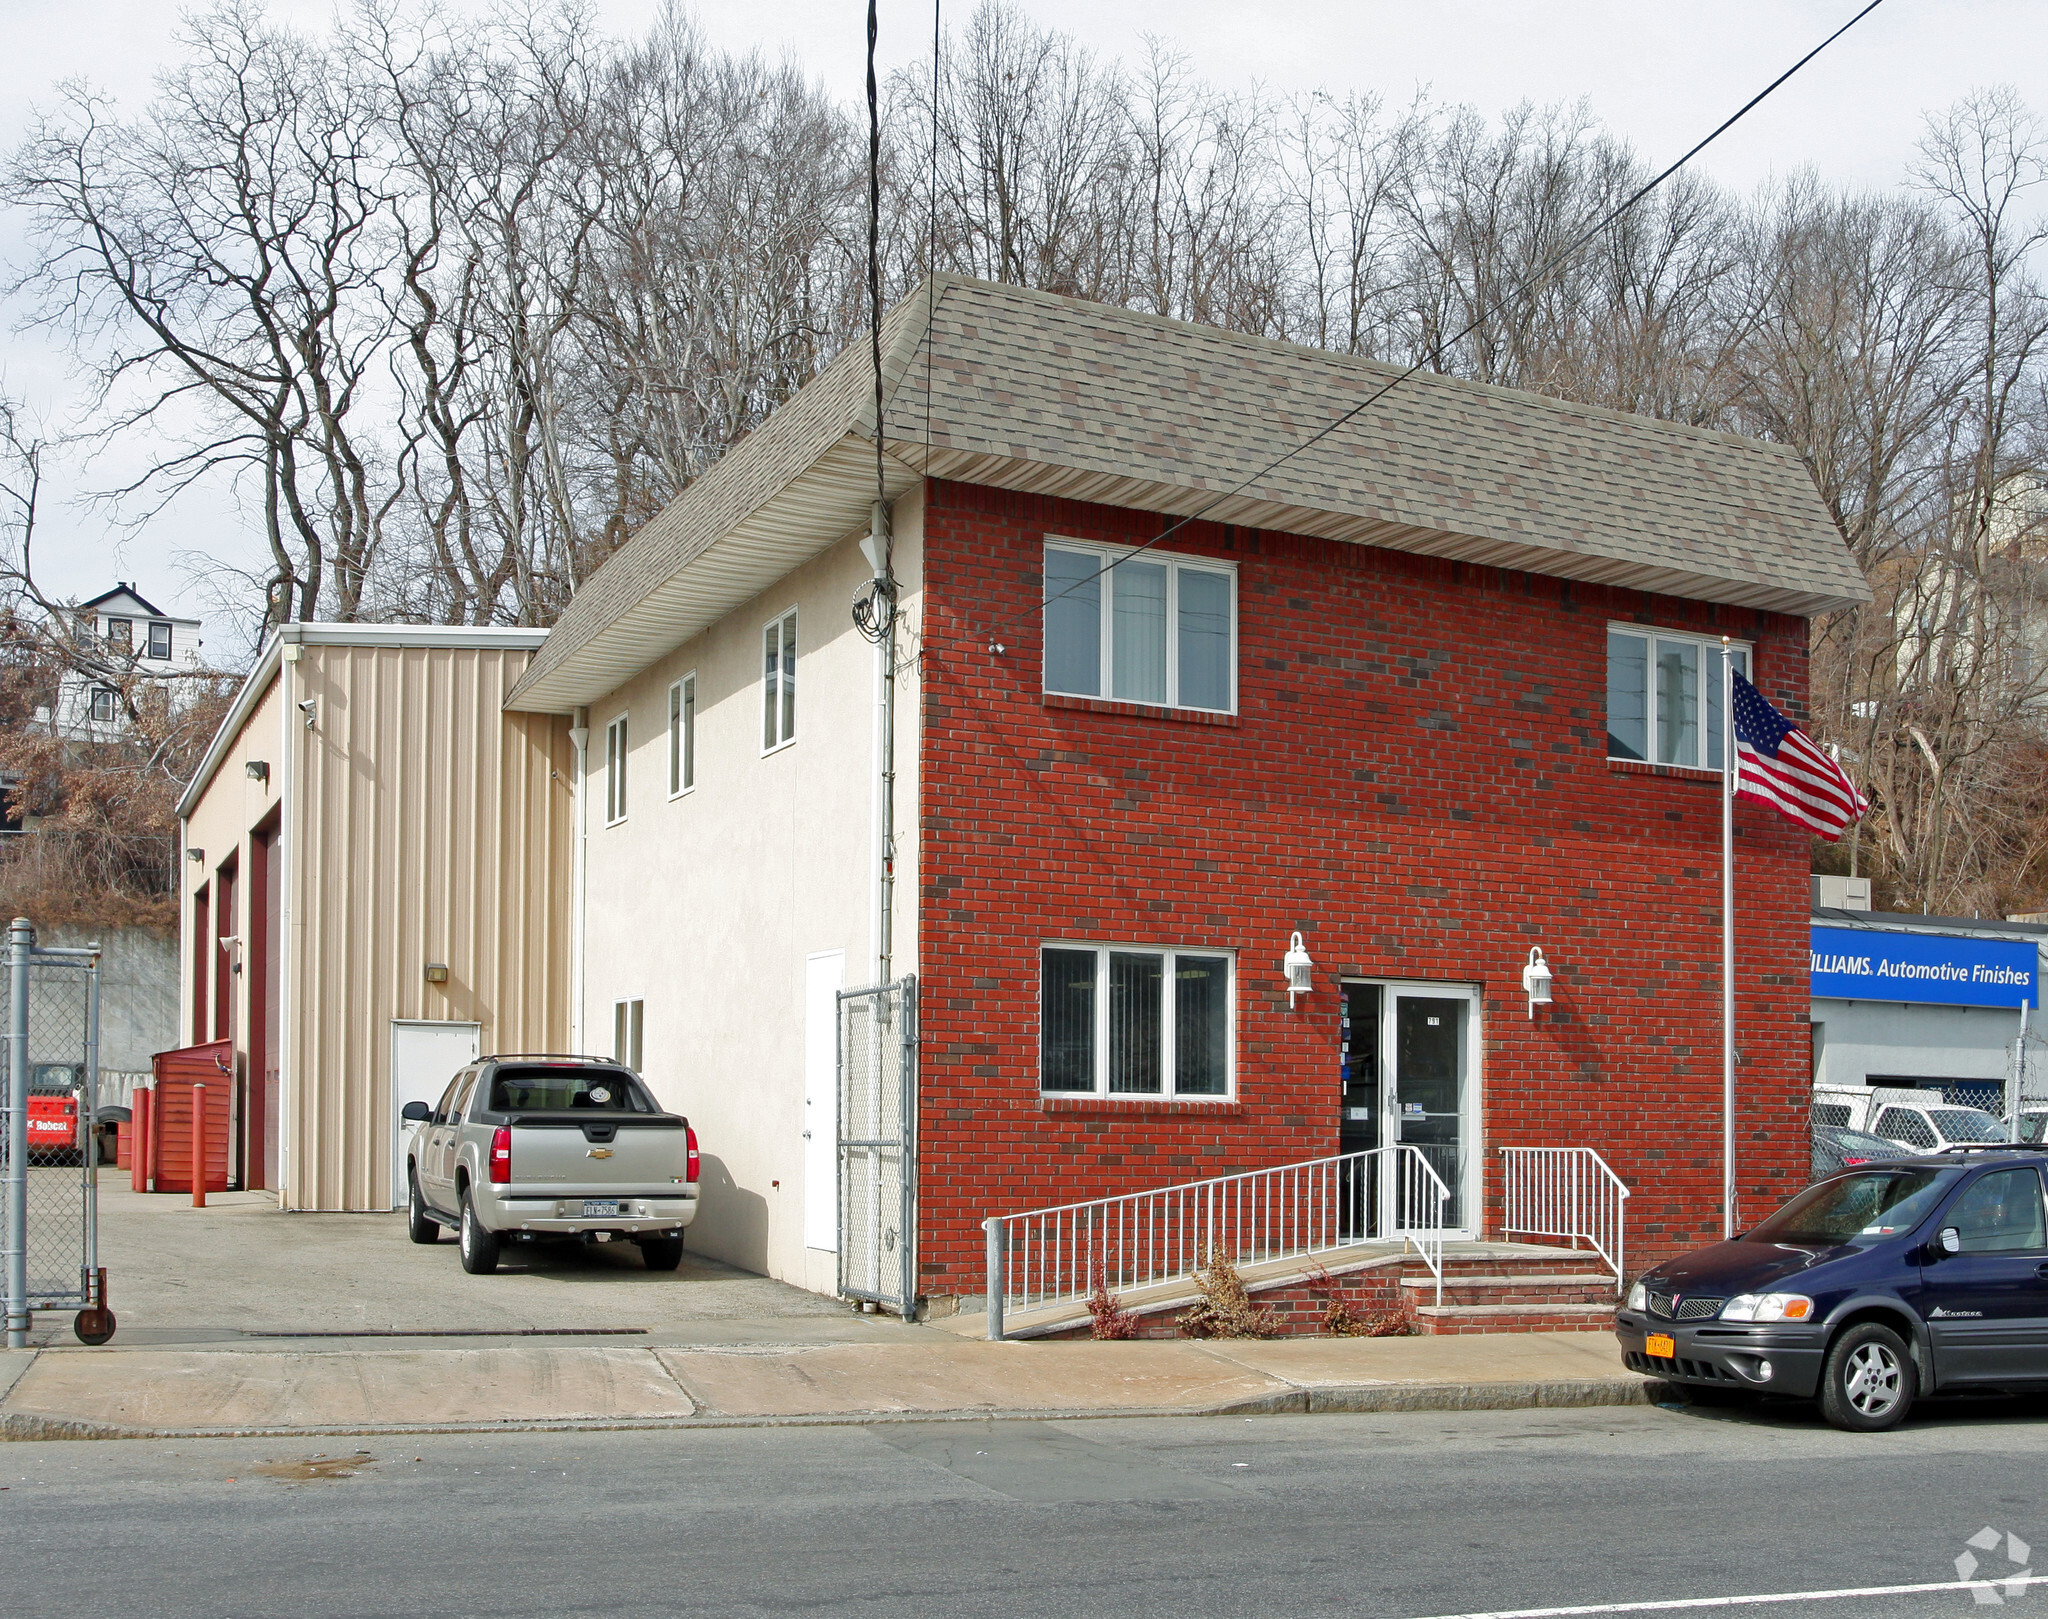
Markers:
point(258, 770)
point(437, 972)
point(1297, 966)
point(1536, 979)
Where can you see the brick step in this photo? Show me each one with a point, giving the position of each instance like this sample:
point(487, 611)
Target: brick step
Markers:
point(1467, 1288)
point(1437, 1319)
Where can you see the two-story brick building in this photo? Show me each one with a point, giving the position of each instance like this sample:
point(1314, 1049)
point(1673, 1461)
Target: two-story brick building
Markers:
point(1433, 691)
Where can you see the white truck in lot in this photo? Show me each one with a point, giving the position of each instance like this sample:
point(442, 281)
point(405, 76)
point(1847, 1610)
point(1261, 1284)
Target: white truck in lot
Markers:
point(547, 1148)
point(1919, 1119)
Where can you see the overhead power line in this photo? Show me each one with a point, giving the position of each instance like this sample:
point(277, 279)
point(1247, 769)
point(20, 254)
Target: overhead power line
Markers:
point(1527, 283)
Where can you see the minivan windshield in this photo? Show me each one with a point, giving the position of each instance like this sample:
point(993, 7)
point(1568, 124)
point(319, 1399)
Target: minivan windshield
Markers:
point(548, 1090)
point(1965, 1124)
point(1868, 1207)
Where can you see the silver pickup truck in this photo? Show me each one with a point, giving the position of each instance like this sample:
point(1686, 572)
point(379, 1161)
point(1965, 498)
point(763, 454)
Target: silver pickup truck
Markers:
point(538, 1148)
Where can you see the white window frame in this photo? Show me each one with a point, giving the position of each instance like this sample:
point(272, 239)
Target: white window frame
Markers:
point(682, 736)
point(629, 1030)
point(1176, 564)
point(1709, 647)
point(782, 710)
point(1166, 1093)
point(616, 736)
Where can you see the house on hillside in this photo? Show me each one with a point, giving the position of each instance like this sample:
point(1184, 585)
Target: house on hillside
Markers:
point(131, 632)
point(1428, 695)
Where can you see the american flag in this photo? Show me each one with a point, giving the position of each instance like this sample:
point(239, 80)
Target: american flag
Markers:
point(1780, 765)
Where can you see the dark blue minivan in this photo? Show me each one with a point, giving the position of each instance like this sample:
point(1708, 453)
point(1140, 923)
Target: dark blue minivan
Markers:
point(1879, 1284)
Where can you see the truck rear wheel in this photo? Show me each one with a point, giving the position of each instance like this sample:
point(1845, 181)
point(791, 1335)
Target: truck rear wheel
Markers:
point(662, 1253)
point(479, 1247)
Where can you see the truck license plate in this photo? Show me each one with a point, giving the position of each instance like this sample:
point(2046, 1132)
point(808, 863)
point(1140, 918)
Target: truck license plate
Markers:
point(1658, 1346)
point(600, 1205)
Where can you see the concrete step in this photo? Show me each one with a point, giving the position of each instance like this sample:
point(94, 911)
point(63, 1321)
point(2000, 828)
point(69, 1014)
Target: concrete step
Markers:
point(1434, 1319)
point(1466, 1287)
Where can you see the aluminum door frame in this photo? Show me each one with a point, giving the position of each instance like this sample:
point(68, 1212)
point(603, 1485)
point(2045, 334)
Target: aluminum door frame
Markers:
point(1471, 1183)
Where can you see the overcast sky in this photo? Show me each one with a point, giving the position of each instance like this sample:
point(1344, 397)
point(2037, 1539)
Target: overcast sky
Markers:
point(1659, 72)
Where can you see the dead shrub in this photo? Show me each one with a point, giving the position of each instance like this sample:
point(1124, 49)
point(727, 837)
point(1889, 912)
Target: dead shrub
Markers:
point(1111, 1319)
point(1226, 1309)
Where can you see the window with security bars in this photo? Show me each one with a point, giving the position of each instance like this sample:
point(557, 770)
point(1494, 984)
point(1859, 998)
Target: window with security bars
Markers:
point(1116, 1021)
point(1140, 628)
point(1664, 696)
point(778, 683)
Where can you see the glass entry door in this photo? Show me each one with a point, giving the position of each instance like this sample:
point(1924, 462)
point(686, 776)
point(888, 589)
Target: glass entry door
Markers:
point(1407, 1081)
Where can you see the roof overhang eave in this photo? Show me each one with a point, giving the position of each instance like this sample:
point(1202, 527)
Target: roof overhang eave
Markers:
point(819, 507)
point(1251, 509)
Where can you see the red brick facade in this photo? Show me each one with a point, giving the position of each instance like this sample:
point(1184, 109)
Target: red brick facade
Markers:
point(1416, 779)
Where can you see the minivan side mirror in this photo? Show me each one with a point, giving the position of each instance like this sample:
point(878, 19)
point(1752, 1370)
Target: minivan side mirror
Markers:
point(415, 1112)
point(1950, 1241)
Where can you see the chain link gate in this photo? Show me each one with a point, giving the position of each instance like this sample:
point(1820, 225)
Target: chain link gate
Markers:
point(49, 1140)
point(877, 1146)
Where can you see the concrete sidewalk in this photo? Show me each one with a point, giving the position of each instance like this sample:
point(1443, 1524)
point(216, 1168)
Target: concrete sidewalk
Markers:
point(150, 1392)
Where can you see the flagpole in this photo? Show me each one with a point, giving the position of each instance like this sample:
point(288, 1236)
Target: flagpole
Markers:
point(1731, 778)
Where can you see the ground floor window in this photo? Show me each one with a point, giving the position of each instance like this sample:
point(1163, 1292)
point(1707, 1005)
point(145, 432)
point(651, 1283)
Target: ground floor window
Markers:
point(1122, 1021)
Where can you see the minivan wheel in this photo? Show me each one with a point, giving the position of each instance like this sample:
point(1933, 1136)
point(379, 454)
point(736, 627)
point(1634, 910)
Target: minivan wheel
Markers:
point(479, 1247)
point(1870, 1380)
point(418, 1225)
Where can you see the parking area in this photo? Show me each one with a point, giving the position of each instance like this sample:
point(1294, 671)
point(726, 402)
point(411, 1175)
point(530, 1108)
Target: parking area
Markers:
point(238, 1273)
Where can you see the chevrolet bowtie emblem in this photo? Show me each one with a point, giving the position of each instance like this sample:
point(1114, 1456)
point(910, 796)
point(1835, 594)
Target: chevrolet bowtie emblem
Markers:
point(598, 1152)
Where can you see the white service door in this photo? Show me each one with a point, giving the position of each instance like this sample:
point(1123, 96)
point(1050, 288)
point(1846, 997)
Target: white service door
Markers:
point(824, 977)
point(424, 1057)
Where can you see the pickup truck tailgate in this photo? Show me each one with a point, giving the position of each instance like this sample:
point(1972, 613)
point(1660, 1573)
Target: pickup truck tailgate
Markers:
point(634, 1155)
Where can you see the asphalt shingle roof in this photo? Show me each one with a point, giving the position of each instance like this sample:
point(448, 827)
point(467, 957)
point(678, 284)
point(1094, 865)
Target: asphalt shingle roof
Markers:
point(1033, 391)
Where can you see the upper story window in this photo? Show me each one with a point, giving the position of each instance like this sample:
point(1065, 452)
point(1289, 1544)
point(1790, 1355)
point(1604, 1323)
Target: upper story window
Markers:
point(121, 634)
point(1120, 1021)
point(1155, 629)
point(778, 683)
point(629, 1023)
point(1664, 696)
point(106, 705)
point(615, 771)
point(159, 640)
point(682, 736)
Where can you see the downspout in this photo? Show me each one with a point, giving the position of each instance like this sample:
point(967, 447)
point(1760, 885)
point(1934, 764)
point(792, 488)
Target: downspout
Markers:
point(287, 943)
point(579, 737)
point(878, 549)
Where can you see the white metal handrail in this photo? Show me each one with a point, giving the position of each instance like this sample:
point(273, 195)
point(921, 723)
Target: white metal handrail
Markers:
point(1565, 1192)
point(1293, 1211)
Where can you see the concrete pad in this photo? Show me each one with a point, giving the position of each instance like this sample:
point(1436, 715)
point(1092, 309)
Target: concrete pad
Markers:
point(149, 1389)
point(1496, 1357)
point(953, 1376)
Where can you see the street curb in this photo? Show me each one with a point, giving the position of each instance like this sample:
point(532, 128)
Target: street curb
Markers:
point(1339, 1400)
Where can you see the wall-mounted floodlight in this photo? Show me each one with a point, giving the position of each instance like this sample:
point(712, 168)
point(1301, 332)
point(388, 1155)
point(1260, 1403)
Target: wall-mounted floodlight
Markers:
point(437, 972)
point(258, 770)
point(1536, 979)
point(1297, 966)
point(196, 856)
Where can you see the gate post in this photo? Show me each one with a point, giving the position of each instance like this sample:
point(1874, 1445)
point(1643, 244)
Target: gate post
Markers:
point(998, 1280)
point(20, 940)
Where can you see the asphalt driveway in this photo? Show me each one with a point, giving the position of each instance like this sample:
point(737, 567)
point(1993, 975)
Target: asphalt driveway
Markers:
point(239, 1273)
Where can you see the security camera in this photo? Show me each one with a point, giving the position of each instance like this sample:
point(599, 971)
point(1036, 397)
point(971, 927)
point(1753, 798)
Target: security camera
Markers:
point(309, 708)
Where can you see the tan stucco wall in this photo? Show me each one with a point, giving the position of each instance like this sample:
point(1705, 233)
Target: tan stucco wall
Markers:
point(706, 906)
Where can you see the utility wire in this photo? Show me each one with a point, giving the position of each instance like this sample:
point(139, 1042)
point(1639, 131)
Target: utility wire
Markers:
point(1527, 283)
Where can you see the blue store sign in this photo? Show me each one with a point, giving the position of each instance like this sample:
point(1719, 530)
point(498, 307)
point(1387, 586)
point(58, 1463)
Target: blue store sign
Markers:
point(1851, 964)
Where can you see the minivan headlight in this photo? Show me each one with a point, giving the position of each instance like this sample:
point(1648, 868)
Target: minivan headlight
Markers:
point(1639, 1296)
point(1768, 1307)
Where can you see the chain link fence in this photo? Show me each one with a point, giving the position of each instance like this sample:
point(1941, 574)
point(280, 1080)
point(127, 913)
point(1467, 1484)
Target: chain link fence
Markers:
point(877, 1145)
point(49, 1139)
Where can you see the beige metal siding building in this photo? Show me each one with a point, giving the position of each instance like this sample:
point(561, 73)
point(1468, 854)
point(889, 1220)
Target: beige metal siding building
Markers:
point(377, 887)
